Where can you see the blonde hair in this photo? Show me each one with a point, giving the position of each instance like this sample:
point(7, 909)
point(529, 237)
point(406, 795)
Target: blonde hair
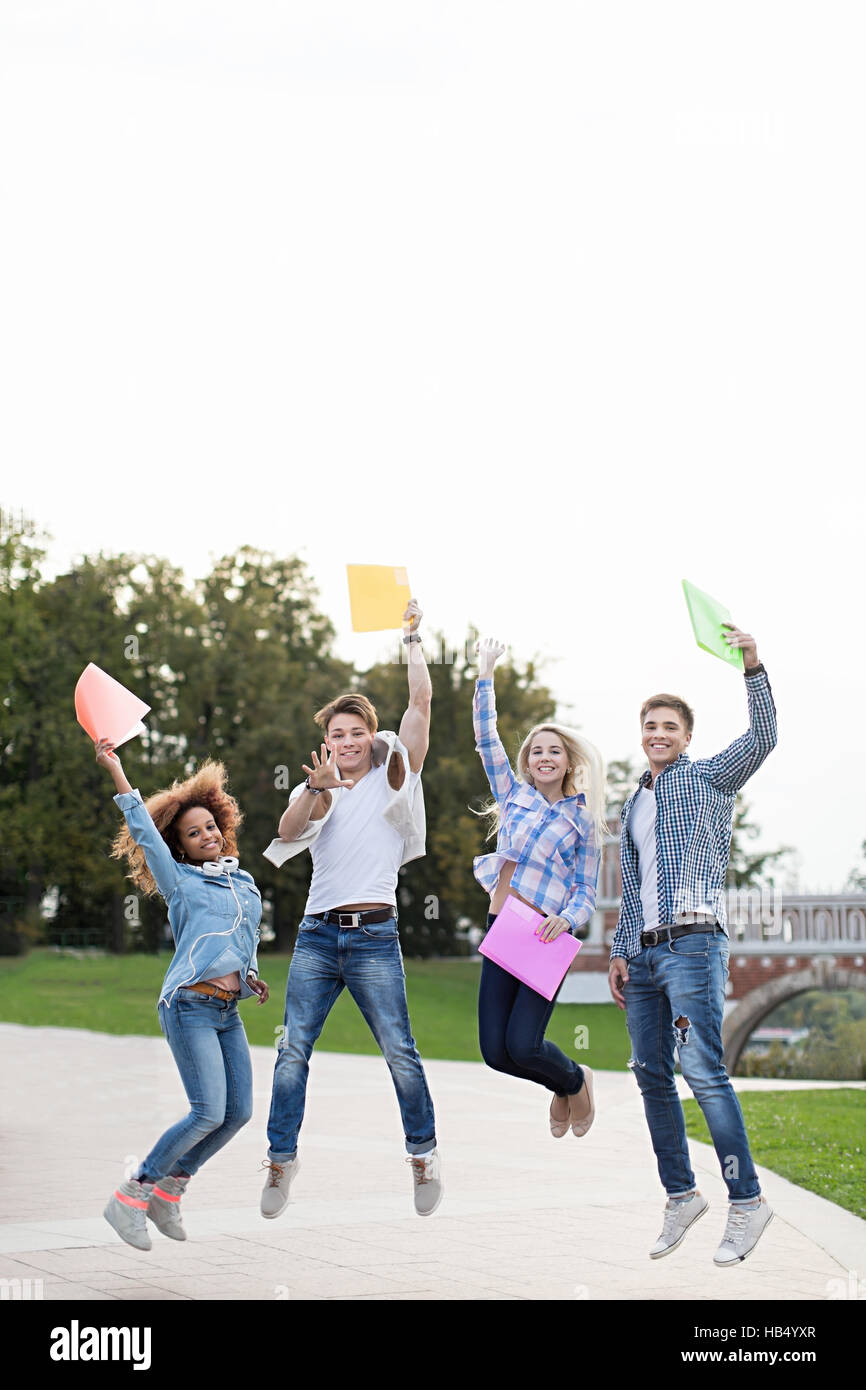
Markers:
point(586, 773)
point(205, 788)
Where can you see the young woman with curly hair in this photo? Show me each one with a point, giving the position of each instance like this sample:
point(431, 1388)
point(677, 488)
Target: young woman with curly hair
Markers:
point(548, 853)
point(181, 844)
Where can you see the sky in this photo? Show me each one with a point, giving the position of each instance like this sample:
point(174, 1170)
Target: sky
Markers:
point(553, 305)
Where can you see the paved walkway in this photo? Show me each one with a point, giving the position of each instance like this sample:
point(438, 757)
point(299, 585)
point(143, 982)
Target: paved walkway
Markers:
point(524, 1216)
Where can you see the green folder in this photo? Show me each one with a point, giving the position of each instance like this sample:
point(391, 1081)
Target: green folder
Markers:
point(707, 616)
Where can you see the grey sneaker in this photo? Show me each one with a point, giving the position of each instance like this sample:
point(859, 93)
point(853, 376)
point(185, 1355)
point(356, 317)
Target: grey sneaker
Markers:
point(742, 1233)
point(127, 1212)
point(163, 1207)
point(679, 1216)
point(275, 1195)
point(428, 1181)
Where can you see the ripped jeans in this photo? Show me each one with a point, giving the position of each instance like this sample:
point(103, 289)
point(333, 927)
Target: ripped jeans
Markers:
point(675, 997)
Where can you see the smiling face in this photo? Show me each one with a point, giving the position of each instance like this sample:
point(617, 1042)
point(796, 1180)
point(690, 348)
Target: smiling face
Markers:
point(664, 736)
point(198, 835)
point(547, 760)
point(352, 742)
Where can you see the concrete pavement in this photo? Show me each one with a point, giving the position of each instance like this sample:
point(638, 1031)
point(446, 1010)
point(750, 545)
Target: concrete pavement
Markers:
point(524, 1216)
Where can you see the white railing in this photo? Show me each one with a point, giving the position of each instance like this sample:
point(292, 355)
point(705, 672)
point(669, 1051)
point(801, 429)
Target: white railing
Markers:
point(797, 924)
point(764, 921)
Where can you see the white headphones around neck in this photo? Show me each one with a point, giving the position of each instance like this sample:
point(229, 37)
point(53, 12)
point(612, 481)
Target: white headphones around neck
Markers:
point(219, 866)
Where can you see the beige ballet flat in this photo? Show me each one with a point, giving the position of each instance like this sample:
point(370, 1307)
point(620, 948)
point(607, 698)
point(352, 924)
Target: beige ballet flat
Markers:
point(559, 1127)
point(581, 1107)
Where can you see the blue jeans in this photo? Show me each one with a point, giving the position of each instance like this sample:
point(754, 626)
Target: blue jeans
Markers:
point(209, 1045)
point(674, 997)
point(367, 961)
point(511, 1023)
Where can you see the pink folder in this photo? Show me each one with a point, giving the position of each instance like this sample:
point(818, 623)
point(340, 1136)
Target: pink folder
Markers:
point(511, 942)
point(106, 709)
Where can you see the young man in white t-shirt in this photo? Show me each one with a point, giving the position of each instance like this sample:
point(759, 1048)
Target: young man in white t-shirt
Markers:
point(361, 815)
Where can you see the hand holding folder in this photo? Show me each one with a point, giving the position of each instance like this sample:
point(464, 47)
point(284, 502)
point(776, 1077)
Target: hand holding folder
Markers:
point(106, 709)
point(512, 944)
point(708, 618)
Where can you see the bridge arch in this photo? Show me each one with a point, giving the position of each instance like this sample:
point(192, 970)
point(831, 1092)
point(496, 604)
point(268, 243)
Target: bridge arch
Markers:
point(742, 1021)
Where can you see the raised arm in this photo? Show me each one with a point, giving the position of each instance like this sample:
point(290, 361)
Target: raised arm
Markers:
point(732, 768)
point(312, 801)
point(487, 741)
point(160, 859)
point(415, 724)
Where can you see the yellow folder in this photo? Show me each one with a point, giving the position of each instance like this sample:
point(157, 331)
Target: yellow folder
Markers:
point(378, 595)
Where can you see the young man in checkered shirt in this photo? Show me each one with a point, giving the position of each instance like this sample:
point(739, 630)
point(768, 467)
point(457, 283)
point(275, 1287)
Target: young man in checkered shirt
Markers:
point(669, 959)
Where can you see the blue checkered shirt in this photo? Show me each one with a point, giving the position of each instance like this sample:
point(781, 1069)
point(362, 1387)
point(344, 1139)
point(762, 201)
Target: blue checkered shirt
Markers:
point(694, 816)
point(553, 847)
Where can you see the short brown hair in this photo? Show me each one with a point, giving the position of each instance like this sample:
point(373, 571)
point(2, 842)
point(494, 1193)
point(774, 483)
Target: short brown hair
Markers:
point(348, 704)
point(670, 702)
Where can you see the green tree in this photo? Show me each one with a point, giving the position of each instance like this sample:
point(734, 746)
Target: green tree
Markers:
point(21, 643)
point(752, 868)
point(234, 667)
point(623, 775)
point(84, 618)
point(857, 878)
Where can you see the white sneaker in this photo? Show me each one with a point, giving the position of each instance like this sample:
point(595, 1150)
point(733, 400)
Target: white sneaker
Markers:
point(742, 1233)
point(679, 1216)
point(275, 1195)
point(428, 1181)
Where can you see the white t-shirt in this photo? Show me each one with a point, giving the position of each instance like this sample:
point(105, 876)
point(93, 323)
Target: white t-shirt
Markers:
point(357, 854)
point(642, 828)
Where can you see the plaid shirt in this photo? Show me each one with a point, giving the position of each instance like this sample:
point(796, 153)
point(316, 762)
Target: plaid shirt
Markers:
point(553, 847)
point(694, 816)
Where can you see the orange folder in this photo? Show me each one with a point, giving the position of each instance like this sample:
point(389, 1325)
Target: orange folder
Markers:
point(106, 709)
point(378, 596)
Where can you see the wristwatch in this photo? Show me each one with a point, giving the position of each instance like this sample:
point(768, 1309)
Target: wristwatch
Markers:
point(412, 637)
point(753, 670)
point(317, 791)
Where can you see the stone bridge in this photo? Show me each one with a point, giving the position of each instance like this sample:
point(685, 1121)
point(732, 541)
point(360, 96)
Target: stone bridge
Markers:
point(785, 947)
point(781, 945)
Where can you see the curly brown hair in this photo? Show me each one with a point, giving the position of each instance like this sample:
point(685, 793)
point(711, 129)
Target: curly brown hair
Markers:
point(206, 788)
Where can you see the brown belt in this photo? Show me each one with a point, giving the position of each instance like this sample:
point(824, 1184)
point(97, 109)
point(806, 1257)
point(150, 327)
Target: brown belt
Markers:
point(214, 992)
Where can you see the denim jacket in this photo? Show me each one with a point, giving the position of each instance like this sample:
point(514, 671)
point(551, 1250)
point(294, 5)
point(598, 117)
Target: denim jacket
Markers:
point(205, 910)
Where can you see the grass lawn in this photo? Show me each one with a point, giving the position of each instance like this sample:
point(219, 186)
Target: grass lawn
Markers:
point(816, 1139)
point(118, 994)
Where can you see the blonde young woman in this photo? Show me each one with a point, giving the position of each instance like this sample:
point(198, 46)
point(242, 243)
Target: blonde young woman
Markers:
point(550, 824)
point(181, 844)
